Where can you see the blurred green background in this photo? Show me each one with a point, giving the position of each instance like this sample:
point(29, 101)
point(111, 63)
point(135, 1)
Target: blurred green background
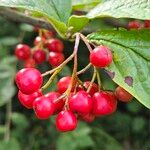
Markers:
point(128, 128)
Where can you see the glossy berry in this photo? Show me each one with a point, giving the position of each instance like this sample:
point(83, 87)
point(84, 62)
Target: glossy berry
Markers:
point(101, 56)
point(123, 95)
point(29, 80)
point(147, 23)
point(104, 103)
point(22, 51)
point(66, 121)
point(87, 118)
point(43, 107)
point(63, 84)
point(58, 105)
point(134, 25)
point(27, 100)
point(81, 102)
point(55, 59)
point(39, 56)
point(55, 45)
point(30, 63)
point(38, 40)
point(94, 87)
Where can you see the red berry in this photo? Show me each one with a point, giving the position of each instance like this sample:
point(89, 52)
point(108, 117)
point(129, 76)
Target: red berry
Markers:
point(123, 95)
point(134, 25)
point(81, 102)
point(55, 59)
point(38, 40)
point(27, 100)
point(29, 63)
point(63, 84)
point(22, 51)
point(39, 56)
point(88, 117)
point(29, 80)
point(55, 45)
point(43, 107)
point(147, 23)
point(101, 56)
point(104, 103)
point(49, 34)
point(66, 121)
point(58, 105)
point(94, 87)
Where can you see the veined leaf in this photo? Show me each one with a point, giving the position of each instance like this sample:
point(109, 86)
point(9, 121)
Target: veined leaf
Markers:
point(131, 60)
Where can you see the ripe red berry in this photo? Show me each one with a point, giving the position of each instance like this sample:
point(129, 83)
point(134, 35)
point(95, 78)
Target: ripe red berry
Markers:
point(81, 102)
point(55, 45)
point(29, 80)
point(39, 56)
point(104, 103)
point(147, 23)
point(66, 121)
point(94, 87)
point(58, 105)
point(43, 107)
point(101, 56)
point(29, 63)
point(27, 100)
point(55, 59)
point(88, 117)
point(123, 95)
point(22, 51)
point(134, 25)
point(38, 40)
point(63, 84)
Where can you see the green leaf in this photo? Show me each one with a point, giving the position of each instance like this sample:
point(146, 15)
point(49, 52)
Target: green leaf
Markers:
point(131, 60)
point(56, 11)
point(139, 9)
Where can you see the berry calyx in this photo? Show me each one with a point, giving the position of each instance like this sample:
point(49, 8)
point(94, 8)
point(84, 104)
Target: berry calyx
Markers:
point(104, 103)
point(55, 59)
point(147, 23)
point(134, 25)
point(30, 63)
point(63, 84)
point(94, 87)
point(66, 121)
point(81, 102)
point(27, 100)
point(122, 95)
point(58, 105)
point(39, 56)
point(101, 56)
point(22, 51)
point(43, 107)
point(29, 80)
point(55, 45)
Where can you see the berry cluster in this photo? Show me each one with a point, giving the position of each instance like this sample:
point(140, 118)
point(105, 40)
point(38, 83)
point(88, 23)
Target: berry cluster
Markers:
point(137, 25)
point(46, 47)
point(73, 99)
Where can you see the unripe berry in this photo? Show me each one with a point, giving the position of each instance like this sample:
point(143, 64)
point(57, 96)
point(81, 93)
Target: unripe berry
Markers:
point(39, 56)
point(55, 45)
point(104, 103)
point(66, 121)
point(58, 105)
point(55, 59)
point(22, 51)
point(29, 63)
point(147, 23)
point(134, 25)
point(123, 95)
point(29, 80)
point(27, 100)
point(43, 107)
point(81, 102)
point(101, 56)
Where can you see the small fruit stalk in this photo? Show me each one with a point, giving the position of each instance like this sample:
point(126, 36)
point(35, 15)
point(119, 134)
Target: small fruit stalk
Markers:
point(73, 99)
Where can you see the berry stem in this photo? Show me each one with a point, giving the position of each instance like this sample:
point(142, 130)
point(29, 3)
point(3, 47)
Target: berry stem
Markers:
point(84, 69)
point(98, 79)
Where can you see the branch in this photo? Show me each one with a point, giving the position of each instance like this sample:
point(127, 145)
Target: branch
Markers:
point(20, 17)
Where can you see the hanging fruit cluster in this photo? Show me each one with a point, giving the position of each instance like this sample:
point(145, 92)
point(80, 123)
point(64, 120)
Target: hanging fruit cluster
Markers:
point(73, 99)
point(46, 48)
